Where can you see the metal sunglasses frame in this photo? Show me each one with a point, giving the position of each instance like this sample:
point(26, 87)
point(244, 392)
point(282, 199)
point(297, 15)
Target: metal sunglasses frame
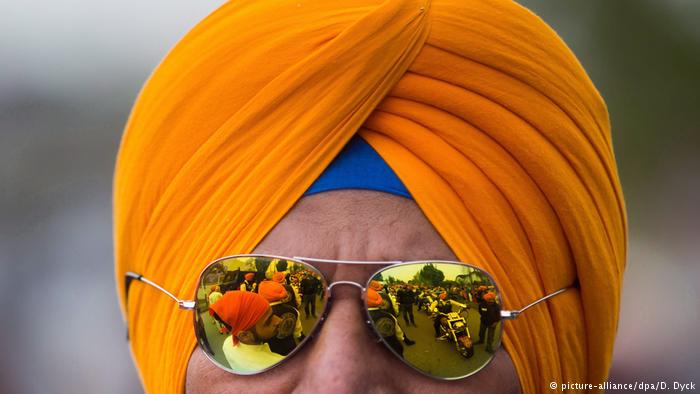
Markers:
point(190, 305)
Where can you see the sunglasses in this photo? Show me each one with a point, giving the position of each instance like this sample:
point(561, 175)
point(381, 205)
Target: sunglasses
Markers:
point(252, 312)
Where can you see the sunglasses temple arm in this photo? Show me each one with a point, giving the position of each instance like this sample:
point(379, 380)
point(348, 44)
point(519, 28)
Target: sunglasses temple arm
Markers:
point(510, 315)
point(183, 304)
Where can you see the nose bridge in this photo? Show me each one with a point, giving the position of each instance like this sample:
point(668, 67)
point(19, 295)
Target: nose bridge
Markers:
point(339, 353)
point(344, 282)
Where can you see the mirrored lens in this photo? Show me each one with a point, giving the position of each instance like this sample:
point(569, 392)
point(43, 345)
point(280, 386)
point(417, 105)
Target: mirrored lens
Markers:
point(443, 319)
point(254, 311)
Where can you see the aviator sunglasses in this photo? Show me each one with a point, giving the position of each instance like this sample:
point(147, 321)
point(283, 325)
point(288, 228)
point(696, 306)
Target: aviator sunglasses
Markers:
point(441, 318)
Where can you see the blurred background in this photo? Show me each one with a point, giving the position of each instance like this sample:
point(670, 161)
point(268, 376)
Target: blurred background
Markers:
point(70, 71)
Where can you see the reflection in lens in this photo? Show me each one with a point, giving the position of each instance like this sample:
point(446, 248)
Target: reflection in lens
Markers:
point(444, 319)
point(248, 310)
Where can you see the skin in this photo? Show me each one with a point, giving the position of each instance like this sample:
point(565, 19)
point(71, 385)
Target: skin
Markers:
point(344, 356)
point(262, 331)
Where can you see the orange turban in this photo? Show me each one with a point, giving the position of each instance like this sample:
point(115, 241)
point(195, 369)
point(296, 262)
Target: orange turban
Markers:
point(374, 299)
point(478, 106)
point(375, 285)
point(278, 277)
point(272, 291)
point(443, 295)
point(249, 276)
point(489, 296)
point(241, 310)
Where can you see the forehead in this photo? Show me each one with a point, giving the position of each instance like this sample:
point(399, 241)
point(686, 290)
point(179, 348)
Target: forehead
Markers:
point(355, 225)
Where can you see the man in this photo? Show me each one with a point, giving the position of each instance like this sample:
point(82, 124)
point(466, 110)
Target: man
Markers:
point(499, 138)
point(248, 283)
point(424, 299)
point(406, 298)
point(281, 278)
point(214, 295)
point(387, 301)
point(386, 323)
point(249, 319)
point(289, 330)
point(309, 287)
point(490, 315)
point(440, 307)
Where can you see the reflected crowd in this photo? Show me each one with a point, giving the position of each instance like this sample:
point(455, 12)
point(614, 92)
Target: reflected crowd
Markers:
point(442, 319)
point(249, 310)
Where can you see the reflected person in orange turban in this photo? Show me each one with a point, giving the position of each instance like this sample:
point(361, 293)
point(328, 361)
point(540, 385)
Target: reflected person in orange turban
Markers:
point(249, 319)
point(477, 106)
point(248, 284)
point(375, 285)
point(272, 291)
point(374, 300)
point(278, 277)
point(293, 298)
point(239, 311)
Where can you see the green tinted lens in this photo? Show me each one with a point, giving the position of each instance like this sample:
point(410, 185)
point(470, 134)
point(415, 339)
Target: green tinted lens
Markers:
point(252, 312)
point(442, 319)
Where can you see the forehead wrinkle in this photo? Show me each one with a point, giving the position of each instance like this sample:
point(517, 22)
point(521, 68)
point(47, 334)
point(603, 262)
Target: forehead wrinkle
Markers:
point(355, 225)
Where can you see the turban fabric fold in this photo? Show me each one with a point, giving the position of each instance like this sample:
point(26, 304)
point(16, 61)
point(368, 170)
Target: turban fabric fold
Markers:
point(480, 109)
point(241, 310)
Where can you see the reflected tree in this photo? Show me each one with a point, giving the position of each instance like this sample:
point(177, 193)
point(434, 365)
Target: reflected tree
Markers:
point(429, 275)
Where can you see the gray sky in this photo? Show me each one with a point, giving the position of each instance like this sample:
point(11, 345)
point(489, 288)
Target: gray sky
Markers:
point(52, 45)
